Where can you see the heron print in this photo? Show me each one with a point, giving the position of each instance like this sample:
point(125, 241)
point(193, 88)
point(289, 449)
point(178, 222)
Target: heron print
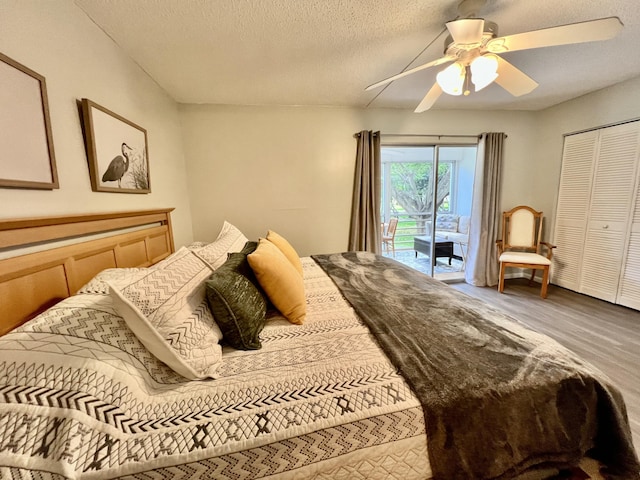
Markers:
point(131, 161)
point(117, 151)
point(118, 167)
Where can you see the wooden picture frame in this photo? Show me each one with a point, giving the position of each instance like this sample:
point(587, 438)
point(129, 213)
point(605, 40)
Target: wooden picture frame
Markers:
point(27, 158)
point(117, 151)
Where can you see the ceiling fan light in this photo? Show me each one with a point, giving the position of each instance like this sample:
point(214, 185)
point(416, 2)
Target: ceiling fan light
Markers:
point(451, 79)
point(484, 70)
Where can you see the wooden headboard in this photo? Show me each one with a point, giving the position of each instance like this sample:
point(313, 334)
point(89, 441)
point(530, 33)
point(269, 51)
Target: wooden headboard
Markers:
point(32, 282)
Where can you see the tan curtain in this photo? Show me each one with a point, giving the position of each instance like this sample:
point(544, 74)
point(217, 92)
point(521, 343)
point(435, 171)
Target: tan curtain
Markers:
point(482, 257)
point(365, 234)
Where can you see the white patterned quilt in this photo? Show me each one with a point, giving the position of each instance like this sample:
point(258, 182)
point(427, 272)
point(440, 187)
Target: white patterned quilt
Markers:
point(80, 397)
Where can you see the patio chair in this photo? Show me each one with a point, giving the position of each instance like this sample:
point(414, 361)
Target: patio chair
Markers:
point(521, 245)
point(388, 237)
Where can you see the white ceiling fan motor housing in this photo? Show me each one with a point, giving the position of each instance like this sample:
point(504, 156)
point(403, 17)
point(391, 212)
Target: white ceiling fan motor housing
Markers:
point(490, 31)
point(470, 8)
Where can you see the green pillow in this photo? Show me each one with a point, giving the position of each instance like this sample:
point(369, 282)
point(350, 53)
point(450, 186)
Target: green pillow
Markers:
point(238, 306)
point(249, 247)
point(238, 261)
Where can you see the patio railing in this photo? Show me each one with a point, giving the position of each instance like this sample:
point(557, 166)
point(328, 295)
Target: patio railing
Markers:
point(409, 225)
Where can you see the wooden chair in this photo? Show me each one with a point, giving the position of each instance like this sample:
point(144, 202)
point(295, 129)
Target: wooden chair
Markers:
point(388, 237)
point(521, 245)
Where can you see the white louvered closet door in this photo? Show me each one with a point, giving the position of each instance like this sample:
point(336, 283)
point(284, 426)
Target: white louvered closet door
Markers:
point(612, 194)
point(629, 289)
point(578, 159)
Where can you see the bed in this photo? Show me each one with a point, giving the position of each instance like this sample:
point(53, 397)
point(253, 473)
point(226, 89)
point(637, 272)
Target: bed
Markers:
point(477, 395)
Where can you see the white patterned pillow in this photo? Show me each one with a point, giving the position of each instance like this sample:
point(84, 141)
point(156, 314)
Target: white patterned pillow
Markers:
point(98, 284)
point(196, 245)
point(447, 222)
point(229, 240)
point(167, 310)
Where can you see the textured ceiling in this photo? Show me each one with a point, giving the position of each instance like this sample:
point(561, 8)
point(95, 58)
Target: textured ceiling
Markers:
point(325, 52)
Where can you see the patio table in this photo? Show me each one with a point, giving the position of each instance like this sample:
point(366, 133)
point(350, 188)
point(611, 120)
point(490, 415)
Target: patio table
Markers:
point(443, 247)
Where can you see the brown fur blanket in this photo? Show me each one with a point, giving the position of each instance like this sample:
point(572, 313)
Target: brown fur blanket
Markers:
point(499, 399)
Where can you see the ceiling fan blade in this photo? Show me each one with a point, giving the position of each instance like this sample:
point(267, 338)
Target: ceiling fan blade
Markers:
point(514, 81)
point(429, 99)
point(590, 31)
point(466, 31)
point(439, 61)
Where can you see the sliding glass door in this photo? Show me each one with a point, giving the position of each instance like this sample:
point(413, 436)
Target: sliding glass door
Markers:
point(428, 189)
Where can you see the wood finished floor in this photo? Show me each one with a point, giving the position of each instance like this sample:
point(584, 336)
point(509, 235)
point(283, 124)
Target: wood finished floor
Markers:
point(606, 335)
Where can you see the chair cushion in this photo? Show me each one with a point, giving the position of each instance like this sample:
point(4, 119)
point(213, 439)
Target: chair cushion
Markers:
point(524, 257)
point(453, 236)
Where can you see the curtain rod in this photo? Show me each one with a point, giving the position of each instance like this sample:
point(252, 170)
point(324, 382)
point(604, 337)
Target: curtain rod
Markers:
point(427, 135)
point(356, 135)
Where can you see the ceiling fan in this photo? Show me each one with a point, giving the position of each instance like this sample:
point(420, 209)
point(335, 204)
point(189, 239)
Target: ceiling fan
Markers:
point(473, 49)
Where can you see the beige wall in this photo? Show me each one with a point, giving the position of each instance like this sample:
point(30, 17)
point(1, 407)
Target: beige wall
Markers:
point(78, 60)
point(291, 169)
point(285, 168)
point(611, 105)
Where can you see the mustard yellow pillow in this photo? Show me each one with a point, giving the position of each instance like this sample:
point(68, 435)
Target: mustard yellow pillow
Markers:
point(286, 248)
point(280, 281)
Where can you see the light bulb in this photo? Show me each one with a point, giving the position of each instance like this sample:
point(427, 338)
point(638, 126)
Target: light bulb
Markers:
point(484, 71)
point(451, 79)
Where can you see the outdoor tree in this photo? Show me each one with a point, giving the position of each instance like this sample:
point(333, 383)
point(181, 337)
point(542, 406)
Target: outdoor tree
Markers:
point(412, 187)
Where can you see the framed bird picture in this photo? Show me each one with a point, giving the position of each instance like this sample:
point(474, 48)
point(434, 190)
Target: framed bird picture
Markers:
point(117, 151)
